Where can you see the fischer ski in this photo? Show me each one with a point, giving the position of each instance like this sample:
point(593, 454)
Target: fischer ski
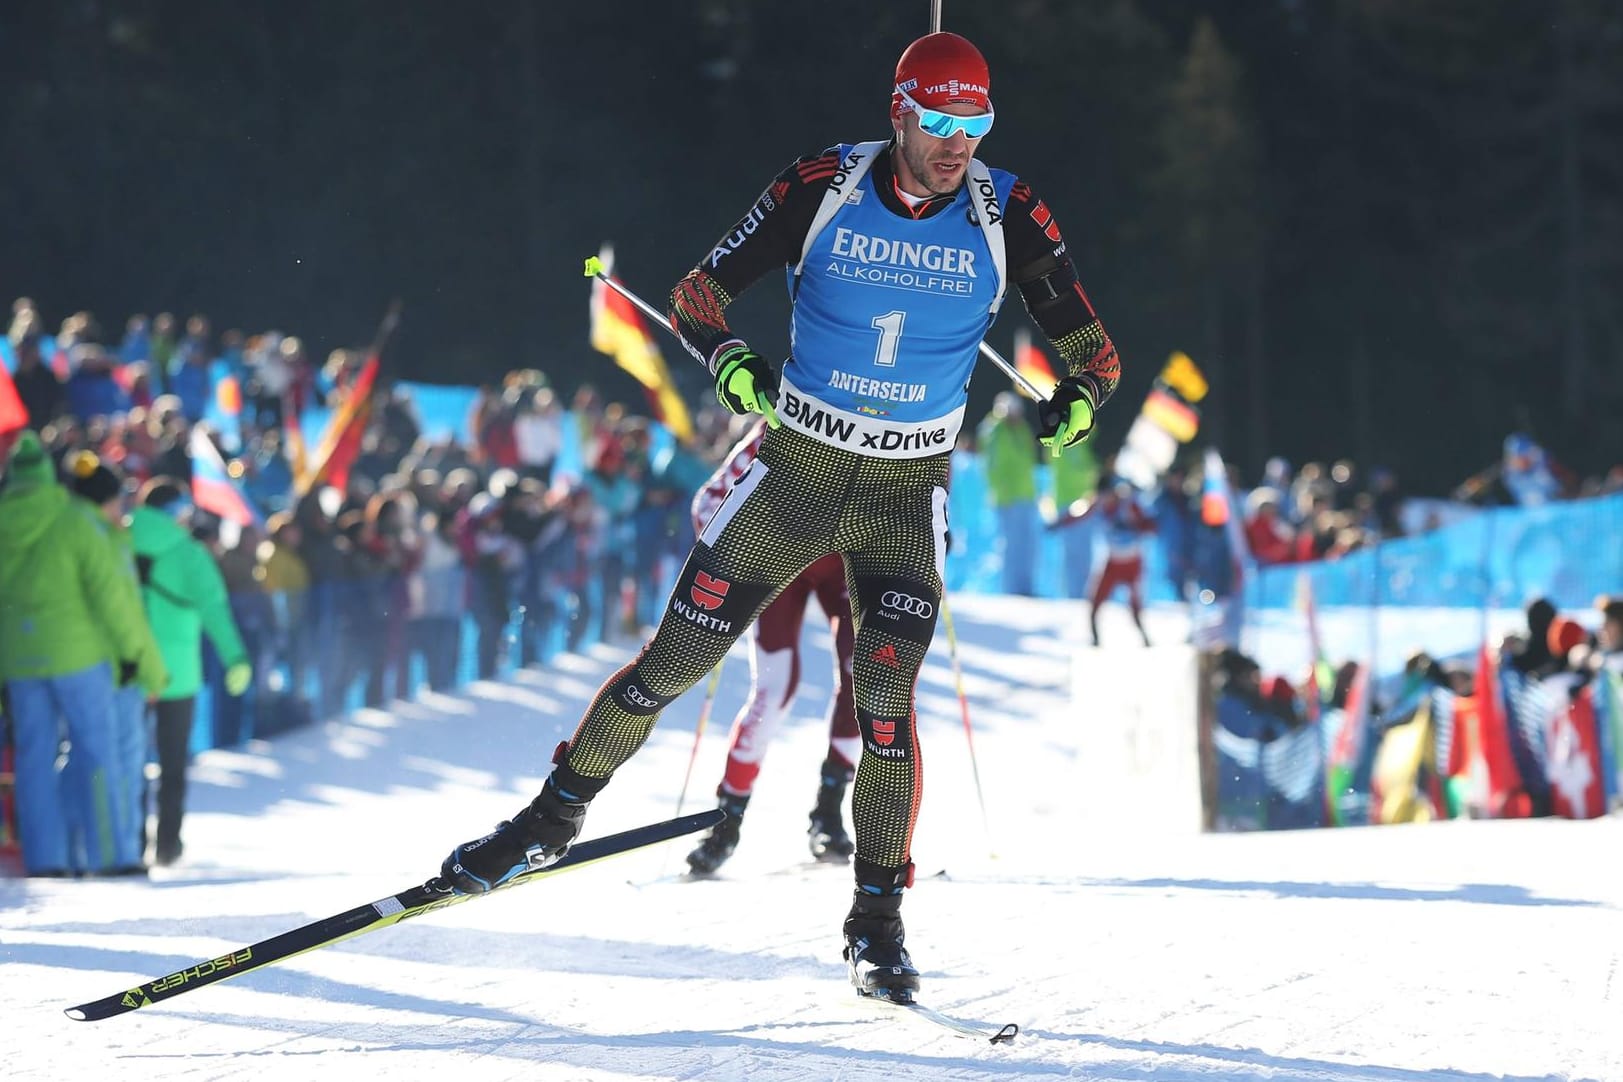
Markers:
point(958, 1027)
point(430, 896)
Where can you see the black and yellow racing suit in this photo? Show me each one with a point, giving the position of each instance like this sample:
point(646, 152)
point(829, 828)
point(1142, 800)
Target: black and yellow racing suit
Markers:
point(808, 496)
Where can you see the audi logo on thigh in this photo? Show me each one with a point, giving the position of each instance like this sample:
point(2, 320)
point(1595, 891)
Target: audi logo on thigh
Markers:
point(634, 694)
point(913, 606)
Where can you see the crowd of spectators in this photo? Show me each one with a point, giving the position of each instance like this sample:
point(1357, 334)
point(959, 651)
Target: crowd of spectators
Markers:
point(434, 561)
point(558, 521)
point(1524, 726)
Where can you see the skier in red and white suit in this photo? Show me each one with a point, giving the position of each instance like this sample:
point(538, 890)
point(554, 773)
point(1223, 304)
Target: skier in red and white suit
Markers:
point(774, 680)
point(1125, 527)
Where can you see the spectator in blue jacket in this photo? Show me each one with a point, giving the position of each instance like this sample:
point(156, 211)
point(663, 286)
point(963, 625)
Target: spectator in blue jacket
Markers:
point(92, 390)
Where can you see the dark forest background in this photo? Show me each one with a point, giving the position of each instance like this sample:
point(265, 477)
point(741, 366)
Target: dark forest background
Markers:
point(1388, 229)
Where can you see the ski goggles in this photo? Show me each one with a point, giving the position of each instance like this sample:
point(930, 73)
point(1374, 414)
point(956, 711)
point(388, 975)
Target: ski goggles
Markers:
point(945, 125)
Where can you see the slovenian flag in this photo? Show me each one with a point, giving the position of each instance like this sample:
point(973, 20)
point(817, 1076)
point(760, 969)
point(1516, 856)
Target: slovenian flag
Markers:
point(213, 487)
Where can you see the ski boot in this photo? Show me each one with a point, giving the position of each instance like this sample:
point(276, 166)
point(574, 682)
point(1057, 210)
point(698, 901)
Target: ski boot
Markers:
point(536, 837)
point(877, 961)
point(826, 836)
point(718, 845)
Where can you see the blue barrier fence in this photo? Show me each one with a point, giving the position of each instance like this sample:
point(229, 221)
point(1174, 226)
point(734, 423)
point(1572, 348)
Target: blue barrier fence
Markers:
point(1502, 557)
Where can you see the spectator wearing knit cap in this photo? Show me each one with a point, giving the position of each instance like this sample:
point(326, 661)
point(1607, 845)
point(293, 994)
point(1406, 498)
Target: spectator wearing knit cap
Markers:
point(1565, 636)
point(102, 486)
point(66, 608)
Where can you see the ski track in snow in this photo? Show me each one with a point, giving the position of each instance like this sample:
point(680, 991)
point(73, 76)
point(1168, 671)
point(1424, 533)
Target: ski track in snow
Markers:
point(1457, 952)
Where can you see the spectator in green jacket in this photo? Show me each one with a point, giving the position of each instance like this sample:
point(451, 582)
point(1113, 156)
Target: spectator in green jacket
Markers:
point(1009, 449)
point(66, 611)
point(185, 599)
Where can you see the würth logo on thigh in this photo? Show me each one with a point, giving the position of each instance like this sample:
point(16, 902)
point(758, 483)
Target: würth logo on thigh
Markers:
point(709, 592)
point(716, 604)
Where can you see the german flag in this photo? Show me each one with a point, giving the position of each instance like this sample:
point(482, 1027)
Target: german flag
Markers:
point(341, 440)
point(619, 330)
point(1032, 363)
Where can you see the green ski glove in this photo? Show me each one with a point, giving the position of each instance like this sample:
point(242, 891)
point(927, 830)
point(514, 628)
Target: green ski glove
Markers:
point(745, 383)
point(1067, 416)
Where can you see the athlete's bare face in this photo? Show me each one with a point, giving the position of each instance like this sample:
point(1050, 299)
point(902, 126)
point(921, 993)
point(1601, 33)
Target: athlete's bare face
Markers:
point(931, 166)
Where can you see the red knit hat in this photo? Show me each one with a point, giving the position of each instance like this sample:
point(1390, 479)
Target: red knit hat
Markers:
point(942, 69)
point(1564, 634)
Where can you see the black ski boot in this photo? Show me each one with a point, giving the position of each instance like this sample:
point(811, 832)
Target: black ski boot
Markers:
point(827, 836)
point(536, 837)
point(718, 845)
point(874, 955)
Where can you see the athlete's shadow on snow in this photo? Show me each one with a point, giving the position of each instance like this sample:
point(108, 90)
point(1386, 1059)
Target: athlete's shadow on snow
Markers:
point(735, 1052)
point(274, 981)
point(1248, 1061)
point(1474, 893)
point(506, 729)
point(591, 955)
point(748, 1050)
point(726, 1052)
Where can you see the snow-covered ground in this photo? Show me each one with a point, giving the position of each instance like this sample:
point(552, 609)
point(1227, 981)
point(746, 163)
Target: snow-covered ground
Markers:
point(1458, 951)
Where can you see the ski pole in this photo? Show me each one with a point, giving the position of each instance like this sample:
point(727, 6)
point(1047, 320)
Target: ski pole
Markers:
point(963, 708)
point(698, 731)
point(595, 269)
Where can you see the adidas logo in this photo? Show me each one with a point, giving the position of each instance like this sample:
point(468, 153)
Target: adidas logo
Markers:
point(886, 655)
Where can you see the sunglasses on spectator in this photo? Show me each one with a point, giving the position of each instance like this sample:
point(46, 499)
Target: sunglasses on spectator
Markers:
point(941, 125)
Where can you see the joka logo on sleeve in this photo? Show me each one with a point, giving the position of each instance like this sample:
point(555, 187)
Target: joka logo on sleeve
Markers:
point(708, 592)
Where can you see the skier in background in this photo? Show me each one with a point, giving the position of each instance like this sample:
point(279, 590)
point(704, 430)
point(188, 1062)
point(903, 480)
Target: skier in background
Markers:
point(1125, 526)
point(900, 253)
